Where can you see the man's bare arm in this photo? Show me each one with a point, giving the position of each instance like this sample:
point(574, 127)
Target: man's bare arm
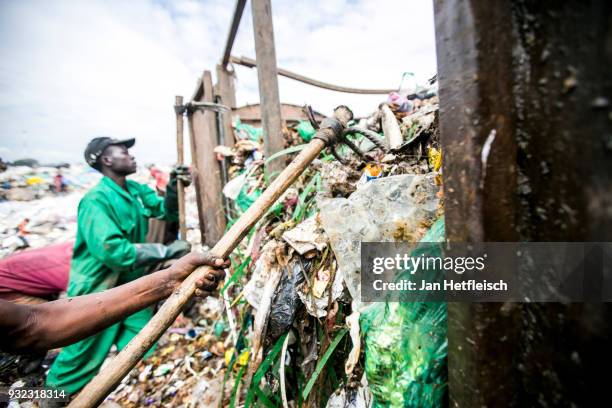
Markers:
point(35, 328)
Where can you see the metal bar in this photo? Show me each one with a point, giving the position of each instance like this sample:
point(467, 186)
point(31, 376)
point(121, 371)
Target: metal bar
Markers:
point(223, 162)
point(531, 79)
point(195, 147)
point(250, 63)
point(180, 153)
point(268, 80)
point(217, 107)
point(231, 36)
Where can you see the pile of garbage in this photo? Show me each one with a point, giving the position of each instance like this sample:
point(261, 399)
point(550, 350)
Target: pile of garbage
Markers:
point(287, 327)
point(38, 205)
point(38, 208)
point(26, 183)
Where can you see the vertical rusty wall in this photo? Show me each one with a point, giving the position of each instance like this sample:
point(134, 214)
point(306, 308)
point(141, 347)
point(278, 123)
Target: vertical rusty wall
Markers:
point(534, 81)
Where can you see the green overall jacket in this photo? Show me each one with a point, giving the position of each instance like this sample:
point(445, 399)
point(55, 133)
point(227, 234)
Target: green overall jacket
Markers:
point(110, 221)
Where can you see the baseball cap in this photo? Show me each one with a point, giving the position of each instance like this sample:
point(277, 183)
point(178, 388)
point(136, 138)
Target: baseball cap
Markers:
point(96, 146)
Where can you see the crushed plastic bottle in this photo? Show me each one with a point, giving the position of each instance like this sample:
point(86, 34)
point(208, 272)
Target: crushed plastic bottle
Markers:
point(397, 208)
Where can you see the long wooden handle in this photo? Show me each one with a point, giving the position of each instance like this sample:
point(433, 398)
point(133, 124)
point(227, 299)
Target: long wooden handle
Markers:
point(102, 384)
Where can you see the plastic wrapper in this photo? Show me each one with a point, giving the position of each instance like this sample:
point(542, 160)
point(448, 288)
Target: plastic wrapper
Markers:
point(391, 129)
point(246, 197)
point(261, 275)
point(396, 208)
point(232, 189)
point(423, 121)
point(353, 398)
point(338, 180)
point(316, 302)
point(306, 236)
point(305, 130)
point(406, 347)
point(244, 131)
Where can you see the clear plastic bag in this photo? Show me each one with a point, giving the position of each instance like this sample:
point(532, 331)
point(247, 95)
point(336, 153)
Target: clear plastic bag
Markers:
point(396, 208)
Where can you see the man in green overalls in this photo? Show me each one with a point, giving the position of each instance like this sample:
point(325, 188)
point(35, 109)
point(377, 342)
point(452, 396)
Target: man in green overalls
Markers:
point(110, 250)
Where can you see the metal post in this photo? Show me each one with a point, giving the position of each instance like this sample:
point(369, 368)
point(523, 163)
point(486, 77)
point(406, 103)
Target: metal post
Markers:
point(268, 79)
point(231, 36)
point(178, 103)
point(534, 81)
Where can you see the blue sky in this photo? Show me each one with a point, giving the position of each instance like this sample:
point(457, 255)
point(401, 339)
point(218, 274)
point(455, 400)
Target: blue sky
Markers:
point(71, 70)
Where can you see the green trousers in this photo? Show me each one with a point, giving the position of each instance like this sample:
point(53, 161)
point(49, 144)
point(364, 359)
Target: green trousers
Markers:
point(78, 363)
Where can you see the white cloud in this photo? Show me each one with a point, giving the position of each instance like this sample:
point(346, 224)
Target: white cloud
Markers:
point(72, 70)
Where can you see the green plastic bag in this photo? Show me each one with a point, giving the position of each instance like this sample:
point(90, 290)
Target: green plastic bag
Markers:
point(244, 199)
point(406, 347)
point(254, 133)
point(305, 130)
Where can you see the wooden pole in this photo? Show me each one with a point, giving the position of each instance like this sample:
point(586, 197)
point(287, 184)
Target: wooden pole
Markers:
point(178, 103)
point(207, 172)
point(107, 380)
point(194, 170)
point(227, 93)
point(268, 80)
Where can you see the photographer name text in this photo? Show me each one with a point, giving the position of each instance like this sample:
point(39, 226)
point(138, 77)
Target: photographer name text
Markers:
point(446, 285)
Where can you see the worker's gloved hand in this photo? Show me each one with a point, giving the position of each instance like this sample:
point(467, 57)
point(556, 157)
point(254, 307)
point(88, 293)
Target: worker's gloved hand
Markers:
point(178, 248)
point(182, 173)
point(187, 264)
point(149, 254)
point(171, 201)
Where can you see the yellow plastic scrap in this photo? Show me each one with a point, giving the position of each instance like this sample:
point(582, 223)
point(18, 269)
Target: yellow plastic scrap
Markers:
point(373, 170)
point(34, 180)
point(168, 350)
point(435, 158)
point(228, 355)
point(243, 358)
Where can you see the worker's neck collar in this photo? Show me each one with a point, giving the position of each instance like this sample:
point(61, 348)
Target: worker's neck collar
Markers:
point(116, 178)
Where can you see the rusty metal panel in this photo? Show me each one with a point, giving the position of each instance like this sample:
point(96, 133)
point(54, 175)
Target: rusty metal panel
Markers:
point(525, 121)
